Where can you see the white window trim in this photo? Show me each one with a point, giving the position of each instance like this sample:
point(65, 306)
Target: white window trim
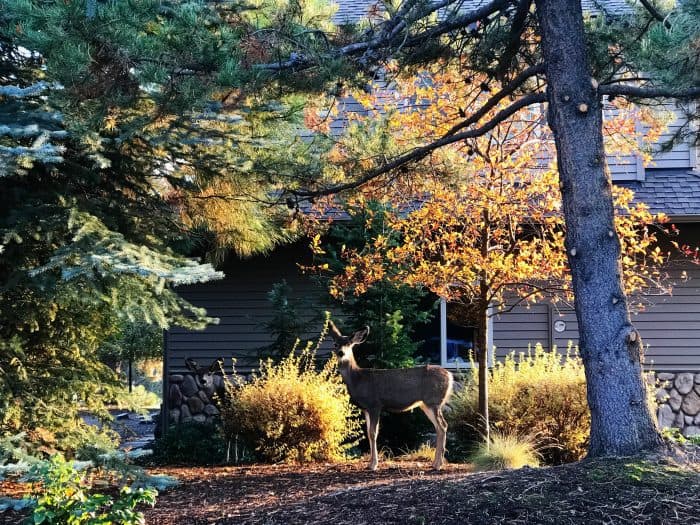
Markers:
point(443, 338)
point(695, 148)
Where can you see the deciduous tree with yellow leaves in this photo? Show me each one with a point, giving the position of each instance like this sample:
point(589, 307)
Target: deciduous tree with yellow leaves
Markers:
point(484, 228)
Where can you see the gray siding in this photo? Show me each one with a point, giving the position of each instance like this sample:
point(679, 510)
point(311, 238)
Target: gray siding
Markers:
point(682, 155)
point(240, 302)
point(514, 331)
point(669, 325)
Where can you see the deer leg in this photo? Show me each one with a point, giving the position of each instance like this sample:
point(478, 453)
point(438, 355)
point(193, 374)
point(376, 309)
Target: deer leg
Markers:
point(441, 441)
point(372, 419)
point(435, 416)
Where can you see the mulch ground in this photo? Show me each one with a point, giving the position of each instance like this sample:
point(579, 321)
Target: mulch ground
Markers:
point(621, 491)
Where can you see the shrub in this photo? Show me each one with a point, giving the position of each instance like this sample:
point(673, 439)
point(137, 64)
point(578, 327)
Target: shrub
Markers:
point(293, 412)
point(506, 451)
point(190, 444)
point(542, 394)
point(140, 399)
point(65, 496)
point(424, 452)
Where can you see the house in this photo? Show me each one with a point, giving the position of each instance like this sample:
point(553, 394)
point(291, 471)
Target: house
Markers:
point(670, 325)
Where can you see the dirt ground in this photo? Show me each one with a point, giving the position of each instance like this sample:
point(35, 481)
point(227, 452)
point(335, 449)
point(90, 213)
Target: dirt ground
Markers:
point(624, 491)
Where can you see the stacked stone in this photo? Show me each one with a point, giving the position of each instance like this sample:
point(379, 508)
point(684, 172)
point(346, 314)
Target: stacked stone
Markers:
point(679, 398)
point(190, 400)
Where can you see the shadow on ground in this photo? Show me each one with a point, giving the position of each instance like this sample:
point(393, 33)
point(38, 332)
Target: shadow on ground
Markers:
point(619, 491)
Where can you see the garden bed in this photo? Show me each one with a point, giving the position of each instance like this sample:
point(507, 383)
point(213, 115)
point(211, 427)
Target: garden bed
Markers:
point(623, 491)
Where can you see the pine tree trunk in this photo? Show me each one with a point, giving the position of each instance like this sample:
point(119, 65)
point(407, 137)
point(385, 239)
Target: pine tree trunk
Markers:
point(611, 349)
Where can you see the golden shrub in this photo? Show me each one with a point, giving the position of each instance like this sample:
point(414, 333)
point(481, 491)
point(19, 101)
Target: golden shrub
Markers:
point(539, 394)
point(292, 411)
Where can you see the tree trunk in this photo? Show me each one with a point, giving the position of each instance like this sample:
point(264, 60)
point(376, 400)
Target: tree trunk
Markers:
point(611, 349)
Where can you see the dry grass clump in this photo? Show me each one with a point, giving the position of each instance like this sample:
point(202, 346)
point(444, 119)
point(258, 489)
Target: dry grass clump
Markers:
point(506, 451)
point(292, 411)
point(425, 452)
point(540, 394)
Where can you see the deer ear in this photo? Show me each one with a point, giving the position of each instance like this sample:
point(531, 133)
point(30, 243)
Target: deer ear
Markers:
point(360, 336)
point(217, 365)
point(191, 364)
point(335, 333)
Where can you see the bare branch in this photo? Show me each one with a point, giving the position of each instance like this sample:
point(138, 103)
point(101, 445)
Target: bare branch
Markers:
point(393, 27)
point(641, 92)
point(495, 99)
point(421, 152)
point(458, 22)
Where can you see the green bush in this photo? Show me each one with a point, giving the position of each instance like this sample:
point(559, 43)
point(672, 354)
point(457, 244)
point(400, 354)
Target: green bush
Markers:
point(65, 497)
point(293, 412)
point(190, 444)
point(540, 394)
point(138, 400)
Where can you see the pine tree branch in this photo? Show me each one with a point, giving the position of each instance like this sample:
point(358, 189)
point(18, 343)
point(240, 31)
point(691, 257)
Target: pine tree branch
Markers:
point(458, 22)
point(395, 26)
point(421, 152)
point(641, 92)
point(513, 44)
point(655, 13)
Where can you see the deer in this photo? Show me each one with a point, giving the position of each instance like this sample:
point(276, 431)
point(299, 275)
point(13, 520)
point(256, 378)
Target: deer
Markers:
point(210, 380)
point(396, 390)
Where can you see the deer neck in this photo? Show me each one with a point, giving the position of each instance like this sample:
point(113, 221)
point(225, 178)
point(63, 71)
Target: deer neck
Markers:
point(348, 370)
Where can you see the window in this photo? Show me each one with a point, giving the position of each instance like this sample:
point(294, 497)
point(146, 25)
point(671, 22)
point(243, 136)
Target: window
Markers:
point(450, 338)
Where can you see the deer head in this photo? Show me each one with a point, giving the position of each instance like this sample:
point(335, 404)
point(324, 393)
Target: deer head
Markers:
point(343, 345)
point(207, 376)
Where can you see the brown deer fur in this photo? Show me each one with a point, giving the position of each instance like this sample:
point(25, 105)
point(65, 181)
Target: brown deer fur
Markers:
point(396, 390)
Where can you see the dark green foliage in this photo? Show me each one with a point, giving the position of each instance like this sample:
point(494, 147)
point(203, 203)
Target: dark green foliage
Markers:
point(403, 432)
point(392, 311)
point(129, 141)
point(190, 444)
point(287, 324)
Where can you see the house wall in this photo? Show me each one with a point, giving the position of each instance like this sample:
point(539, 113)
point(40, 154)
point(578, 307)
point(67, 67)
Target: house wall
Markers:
point(670, 325)
point(683, 154)
point(241, 303)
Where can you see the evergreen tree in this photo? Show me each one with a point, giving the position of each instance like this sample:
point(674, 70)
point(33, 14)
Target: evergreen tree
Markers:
point(133, 135)
point(392, 310)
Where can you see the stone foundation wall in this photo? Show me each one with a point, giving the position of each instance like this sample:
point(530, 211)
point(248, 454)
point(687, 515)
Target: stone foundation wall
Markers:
point(679, 395)
point(192, 399)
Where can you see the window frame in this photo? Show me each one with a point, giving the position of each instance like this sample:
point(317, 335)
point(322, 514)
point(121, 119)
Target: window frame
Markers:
point(443, 339)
